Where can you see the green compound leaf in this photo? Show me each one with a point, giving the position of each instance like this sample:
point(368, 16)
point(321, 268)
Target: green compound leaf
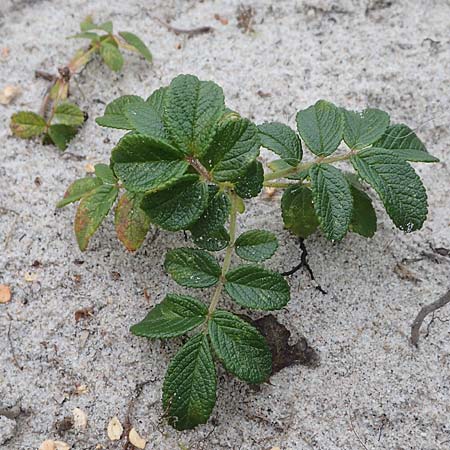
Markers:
point(174, 316)
point(257, 288)
point(332, 198)
point(111, 55)
point(137, 43)
point(364, 218)
point(192, 109)
point(145, 164)
point(69, 114)
point(234, 146)
point(215, 215)
point(192, 267)
point(256, 245)
point(179, 206)
point(399, 187)
point(27, 124)
point(405, 144)
point(114, 116)
point(321, 127)
point(251, 183)
point(144, 119)
point(282, 140)
point(157, 100)
point(91, 211)
point(61, 135)
point(78, 189)
point(240, 347)
point(131, 222)
point(213, 241)
point(298, 212)
point(104, 172)
point(363, 129)
point(189, 390)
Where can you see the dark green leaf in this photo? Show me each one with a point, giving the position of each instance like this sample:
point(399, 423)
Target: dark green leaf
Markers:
point(61, 135)
point(69, 114)
point(240, 347)
point(144, 119)
point(132, 224)
point(104, 172)
point(397, 184)
point(144, 163)
point(189, 390)
point(174, 316)
point(257, 288)
point(320, 126)
point(332, 200)
point(111, 55)
point(298, 212)
point(27, 124)
point(157, 100)
point(179, 206)
point(282, 140)
point(364, 218)
point(213, 241)
point(251, 182)
point(192, 109)
point(78, 189)
point(91, 211)
point(137, 43)
point(256, 245)
point(405, 144)
point(114, 116)
point(363, 129)
point(192, 267)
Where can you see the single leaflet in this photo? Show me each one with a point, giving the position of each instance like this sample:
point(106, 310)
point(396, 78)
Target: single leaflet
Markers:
point(189, 163)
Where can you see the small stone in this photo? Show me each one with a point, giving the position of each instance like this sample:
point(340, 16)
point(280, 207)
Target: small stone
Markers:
point(136, 440)
point(115, 429)
point(5, 293)
point(79, 419)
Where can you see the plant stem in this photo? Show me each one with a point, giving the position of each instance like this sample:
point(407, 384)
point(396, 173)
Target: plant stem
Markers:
point(291, 170)
point(228, 255)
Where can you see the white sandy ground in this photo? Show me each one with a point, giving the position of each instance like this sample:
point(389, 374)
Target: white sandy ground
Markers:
point(372, 389)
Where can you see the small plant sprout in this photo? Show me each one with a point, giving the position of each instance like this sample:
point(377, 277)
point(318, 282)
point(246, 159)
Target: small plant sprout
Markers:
point(189, 163)
point(59, 120)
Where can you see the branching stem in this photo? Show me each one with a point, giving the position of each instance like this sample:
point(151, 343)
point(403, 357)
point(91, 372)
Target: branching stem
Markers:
point(228, 255)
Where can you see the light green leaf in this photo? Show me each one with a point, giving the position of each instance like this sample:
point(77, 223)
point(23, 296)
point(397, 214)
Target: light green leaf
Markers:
point(364, 218)
point(213, 241)
point(281, 164)
point(320, 126)
point(192, 267)
point(282, 140)
point(91, 211)
point(89, 25)
point(189, 390)
point(137, 43)
point(27, 124)
point(111, 55)
point(397, 184)
point(69, 114)
point(298, 212)
point(174, 316)
point(405, 144)
point(114, 116)
point(256, 245)
point(251, 182)
point(78, 189)
point(144, 119)
point(192, 109)
point(144, 164)
point(363, 129)
point(104, 172)
point(332, 198)
point(85, 35)
point(240, 347)
point(131, 222)
point(257, 288)
point(179, 206)
point(234, 146)
point(61, 135)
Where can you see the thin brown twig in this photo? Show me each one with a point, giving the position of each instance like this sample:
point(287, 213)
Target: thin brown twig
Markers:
point(190, 32)
point(427, 309)
point(13, 353)
point(355, 432)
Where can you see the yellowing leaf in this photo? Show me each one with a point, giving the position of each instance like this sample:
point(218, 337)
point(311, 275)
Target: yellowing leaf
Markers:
point(136, 440)
point(115, 429)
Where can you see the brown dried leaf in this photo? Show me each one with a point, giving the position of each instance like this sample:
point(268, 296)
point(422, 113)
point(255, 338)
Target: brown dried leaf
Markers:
point(5, 293)
point(84, 313)
point(9, 93)
point(89, 168)
point(115, 429)
point(136, 440)
point(405, 273)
